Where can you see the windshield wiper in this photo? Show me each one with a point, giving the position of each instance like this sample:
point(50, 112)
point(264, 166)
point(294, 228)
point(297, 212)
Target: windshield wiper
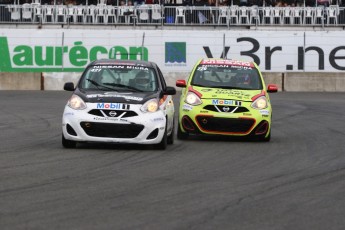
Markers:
point(98, 85)
point(124, 86)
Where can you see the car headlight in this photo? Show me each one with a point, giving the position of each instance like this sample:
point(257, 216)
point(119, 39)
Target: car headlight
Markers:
point(260, 103)
point(75, 102)
point(193, 99)
point(150, 106)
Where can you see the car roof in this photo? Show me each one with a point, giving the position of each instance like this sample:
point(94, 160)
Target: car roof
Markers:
point(123, 62)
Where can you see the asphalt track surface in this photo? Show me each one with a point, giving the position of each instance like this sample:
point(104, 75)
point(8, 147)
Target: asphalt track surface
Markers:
point(296, 181)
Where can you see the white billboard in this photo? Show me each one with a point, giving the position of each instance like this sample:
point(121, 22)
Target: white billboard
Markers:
point(70, 50)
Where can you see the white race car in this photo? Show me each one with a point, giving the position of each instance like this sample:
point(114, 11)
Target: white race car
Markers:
point(119, 101)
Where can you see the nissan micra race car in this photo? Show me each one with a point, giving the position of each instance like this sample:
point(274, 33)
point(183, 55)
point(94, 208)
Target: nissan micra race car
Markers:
point(119, 102)
point(225, 97)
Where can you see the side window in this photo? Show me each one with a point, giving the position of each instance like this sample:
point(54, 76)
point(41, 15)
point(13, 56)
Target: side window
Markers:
point(161, 78)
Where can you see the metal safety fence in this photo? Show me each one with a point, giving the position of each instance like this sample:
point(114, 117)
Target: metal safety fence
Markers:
point(160, 15)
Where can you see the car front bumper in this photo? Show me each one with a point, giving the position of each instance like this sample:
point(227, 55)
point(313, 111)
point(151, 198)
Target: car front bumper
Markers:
point(145, 128)
point(198, 120)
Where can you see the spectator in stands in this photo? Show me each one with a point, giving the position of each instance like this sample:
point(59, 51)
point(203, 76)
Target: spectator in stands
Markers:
point(243, 2)
point(224, 3)
point(129, 11)
point(111, 2)
point(211, 2)
point(323, 3)
point(187, 2)
point(70, 2)
point(138, 2)
point(199, 16)
point(200, 2)
point(25, 1)
point(279, 4)
point(44, 2)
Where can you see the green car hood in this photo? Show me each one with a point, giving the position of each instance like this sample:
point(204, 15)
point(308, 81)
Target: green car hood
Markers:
point(231, 94)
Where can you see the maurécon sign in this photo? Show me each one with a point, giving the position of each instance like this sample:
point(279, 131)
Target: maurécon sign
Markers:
point(24, 58)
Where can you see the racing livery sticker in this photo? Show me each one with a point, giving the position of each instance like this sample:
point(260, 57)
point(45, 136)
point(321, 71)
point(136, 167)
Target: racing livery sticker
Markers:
point(157, 119)
point(112, 106)
point(226, 102)
point(98, 67)
point(109, 119)
point(227, 62)
point(127, 97)
point(206, 90)
point(228, 92)
point(264, 112)
point(187, 107)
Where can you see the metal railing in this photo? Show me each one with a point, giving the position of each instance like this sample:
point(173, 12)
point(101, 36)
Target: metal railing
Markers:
point(225, 16)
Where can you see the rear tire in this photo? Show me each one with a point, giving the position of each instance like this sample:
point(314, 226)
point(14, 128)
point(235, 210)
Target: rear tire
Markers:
point(68, 144)
point(181, 135)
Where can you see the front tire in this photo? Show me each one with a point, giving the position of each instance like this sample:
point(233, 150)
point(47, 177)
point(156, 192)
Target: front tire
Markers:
point(268, 138)
point(264, 138)
point(164, 142)
point(171, 136)
point(181, 135)
point(68, 144)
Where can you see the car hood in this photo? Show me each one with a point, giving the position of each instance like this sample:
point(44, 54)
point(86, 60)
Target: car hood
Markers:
point(116, 97)
point(232, 94)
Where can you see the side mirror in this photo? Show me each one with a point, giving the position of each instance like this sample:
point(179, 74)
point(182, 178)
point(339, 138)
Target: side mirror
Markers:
point(271, 88)
point(170, 91)
point(69, 86)
point(181, 83)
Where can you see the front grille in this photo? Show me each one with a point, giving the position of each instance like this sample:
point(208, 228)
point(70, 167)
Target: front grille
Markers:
point(97, 129)
point(226, 109)
point(225, 125)
point(113, 113)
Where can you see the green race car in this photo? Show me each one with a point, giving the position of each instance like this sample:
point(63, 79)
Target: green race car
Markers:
point(225, 97)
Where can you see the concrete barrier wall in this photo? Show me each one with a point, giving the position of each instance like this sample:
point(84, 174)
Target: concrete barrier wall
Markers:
point(20, 81)
point(56, 81)
point(318, 82)
point(289, 81)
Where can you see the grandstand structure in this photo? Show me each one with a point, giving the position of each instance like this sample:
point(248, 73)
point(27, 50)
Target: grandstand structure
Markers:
point(155, 15)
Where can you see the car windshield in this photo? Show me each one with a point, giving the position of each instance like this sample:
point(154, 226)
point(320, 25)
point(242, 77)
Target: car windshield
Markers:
point(119, 78)
point(227, 76)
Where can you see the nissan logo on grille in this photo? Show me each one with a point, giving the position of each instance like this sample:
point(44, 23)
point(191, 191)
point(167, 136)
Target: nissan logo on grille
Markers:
point(112, 113)
point(226, 109)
